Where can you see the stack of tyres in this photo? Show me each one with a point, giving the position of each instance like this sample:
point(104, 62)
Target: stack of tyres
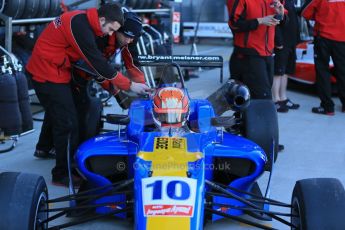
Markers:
point(15, 116)
point(10, 118)
point(26, 9)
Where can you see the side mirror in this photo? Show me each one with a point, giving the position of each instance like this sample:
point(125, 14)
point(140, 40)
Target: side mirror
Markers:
point(226, 121)
point(117, 119)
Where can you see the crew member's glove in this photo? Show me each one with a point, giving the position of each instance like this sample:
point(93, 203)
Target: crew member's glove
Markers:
point(139, 88)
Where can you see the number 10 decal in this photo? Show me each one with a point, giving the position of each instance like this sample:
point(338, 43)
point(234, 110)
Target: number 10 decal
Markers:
point(175, 190)
point(169, 196)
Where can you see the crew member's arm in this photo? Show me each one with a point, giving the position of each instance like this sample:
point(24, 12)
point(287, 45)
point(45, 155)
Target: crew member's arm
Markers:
point(237, 19)
point(309, 8)
point(133, 72)
point(86, 45)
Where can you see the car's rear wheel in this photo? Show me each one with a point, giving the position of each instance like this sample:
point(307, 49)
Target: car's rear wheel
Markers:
point(261, 126)
point(23, 199)
point(317, 204)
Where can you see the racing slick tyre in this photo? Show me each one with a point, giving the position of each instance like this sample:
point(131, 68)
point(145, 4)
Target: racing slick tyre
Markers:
point(261, 127)
point(317, 204)
point(31, 9)
point(154, 4)
point(147, 4)
point(10, 118)
point(55, 9)
point(24, 102)
point(23, 196)
point(131, 3)
point(14, 8)
point(139, 4)
point(43, 8)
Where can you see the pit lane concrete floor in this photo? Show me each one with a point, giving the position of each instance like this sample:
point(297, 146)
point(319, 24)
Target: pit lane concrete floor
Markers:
point(314, 146)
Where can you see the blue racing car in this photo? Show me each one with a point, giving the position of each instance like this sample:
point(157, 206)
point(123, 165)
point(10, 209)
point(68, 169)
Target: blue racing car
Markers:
point(175, 164)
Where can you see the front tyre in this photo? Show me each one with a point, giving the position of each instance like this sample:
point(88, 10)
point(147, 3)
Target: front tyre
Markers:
point(318, 204)
point(261, 127)
point(23, 196)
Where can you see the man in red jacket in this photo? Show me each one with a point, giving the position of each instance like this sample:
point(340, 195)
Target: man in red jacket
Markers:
point(71, 37)
point(329, 41)
point(123, 40)
point(252, 23)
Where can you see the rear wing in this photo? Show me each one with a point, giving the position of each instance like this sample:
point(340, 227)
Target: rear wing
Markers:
point(183, 61)
point(161, 60)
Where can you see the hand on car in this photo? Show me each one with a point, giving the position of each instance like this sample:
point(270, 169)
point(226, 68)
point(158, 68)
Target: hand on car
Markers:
point(140, 88)
point(268, 21)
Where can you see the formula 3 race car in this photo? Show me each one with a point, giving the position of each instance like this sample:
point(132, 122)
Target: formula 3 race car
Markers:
point(305, 66)
point(173, 166)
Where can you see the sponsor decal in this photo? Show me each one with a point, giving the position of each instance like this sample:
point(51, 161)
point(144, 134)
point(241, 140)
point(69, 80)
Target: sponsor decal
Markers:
point(165, 143)
point(57, 22)
point(168, 210)
point(162, 143)
point(176, 26)
point(177, 58)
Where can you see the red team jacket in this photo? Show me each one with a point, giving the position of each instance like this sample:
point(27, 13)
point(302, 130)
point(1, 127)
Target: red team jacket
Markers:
point(329, 16)
point(69, 38)
point(250, 38)
point(133, 72)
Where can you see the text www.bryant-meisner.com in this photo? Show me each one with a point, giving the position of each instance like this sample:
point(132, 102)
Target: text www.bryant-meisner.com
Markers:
point(178, 58)
point(122, 166)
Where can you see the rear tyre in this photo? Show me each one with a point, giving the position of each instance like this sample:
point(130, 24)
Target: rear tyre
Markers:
point(22, 198)
point(318, 203)
point(261, 127)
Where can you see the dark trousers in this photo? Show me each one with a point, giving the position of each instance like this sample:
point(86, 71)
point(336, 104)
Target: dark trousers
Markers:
point(60, 122)
point(254, 71)
point(323, 50)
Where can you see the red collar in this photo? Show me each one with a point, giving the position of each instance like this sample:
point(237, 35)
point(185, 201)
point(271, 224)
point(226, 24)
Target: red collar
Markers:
point(92, 17)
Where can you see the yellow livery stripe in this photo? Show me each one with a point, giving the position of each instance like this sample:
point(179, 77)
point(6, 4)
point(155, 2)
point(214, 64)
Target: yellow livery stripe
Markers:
point(169, 158)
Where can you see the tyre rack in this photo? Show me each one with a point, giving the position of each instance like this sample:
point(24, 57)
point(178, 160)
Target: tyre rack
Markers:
point(149, 78)
point(9, 22)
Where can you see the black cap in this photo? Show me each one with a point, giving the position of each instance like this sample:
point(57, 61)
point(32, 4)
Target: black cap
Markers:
point(133, 25)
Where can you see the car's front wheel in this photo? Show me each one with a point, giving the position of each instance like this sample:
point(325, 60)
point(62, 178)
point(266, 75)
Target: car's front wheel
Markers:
point(23, 201)
point(318, 204)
